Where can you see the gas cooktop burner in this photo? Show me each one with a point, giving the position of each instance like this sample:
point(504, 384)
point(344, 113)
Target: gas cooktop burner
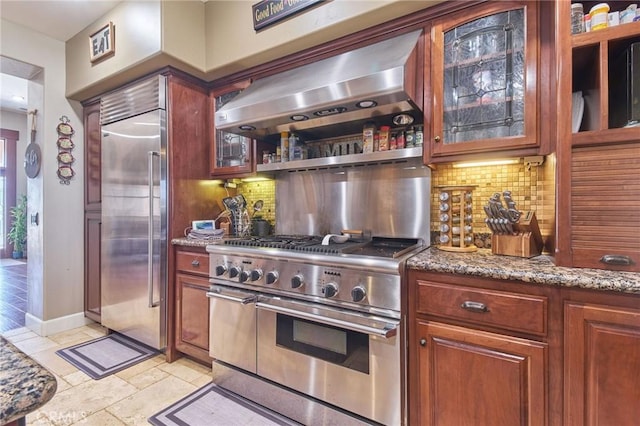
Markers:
point(377, 247)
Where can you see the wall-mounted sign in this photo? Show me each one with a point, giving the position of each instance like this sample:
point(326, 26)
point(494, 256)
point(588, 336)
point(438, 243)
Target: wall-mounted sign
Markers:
point(268, 12)
point(102, 42)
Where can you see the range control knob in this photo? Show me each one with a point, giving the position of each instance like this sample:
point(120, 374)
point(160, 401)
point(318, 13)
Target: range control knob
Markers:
point(297, 281)
point(234, 271)
point(330, 290)
point(256, 274)
point(220, 270)
point(358, 294)
point(272, 277)
point(244, 276)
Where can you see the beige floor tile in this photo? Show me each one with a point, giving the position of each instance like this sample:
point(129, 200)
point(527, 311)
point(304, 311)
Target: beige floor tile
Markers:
point(136, 369)
point(35, 344)
point(16, 331)
point(147, 378)
point(38, 418)
point(101, 418)
point(21, 334)
point(202, 381)
point(135, 409)
point(76, 378)
point(62, 384)
point(95, 330)
point(71, 337)
point(81, 401)
point(54, 362)
point(185, 369)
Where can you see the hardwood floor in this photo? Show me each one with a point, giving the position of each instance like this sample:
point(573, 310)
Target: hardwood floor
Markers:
point(13, 294)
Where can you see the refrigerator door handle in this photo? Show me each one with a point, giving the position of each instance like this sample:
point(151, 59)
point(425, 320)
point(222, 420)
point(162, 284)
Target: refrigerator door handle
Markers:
point(152, 304)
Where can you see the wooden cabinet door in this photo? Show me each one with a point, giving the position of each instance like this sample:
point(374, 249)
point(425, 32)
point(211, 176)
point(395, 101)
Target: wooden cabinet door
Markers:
point(231, 155)
point(92, 295)
point(192, 316)
point(470, 377)
point(92, 153)
point(602, 365)
point(484, 79)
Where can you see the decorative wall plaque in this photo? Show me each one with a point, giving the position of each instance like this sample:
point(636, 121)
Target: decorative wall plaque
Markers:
point(102, 43)
point(268, 12)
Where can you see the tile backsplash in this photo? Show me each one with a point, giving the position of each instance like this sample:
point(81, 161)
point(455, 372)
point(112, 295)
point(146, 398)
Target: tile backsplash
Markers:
point(532, 189)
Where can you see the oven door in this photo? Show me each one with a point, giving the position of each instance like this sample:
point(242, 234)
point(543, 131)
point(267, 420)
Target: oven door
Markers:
point(232, 319)
point(345, 358)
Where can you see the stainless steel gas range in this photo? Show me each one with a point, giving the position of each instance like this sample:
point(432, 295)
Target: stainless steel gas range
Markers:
point(312, 331)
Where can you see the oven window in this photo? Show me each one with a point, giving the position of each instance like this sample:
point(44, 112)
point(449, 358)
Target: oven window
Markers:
point(347, 348)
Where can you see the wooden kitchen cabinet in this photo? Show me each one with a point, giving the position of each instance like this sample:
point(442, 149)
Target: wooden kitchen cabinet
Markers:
point(602, 364)
point(231, 155)
point(598, 190)
point(92, 295)
point(192, 304)
point(481, 353)
point(484, 80)
point(92, 209)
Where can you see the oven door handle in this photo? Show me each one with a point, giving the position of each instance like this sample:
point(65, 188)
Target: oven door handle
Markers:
point(232, 296)
point(388, 331)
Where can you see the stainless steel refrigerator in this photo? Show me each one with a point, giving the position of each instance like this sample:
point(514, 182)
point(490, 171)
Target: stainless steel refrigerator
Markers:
point(134, 212)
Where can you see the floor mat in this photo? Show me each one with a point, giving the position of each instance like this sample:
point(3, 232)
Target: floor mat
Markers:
point(211, 405)
point(106, 355)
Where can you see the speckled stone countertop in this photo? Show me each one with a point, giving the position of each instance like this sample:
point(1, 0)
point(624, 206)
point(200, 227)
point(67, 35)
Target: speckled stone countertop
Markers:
point(25, 385)
point(187, 242)
point(536, 270)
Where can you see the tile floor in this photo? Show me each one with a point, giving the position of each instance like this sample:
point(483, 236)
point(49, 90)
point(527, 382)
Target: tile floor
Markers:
point(13, 294)
point(125, 398)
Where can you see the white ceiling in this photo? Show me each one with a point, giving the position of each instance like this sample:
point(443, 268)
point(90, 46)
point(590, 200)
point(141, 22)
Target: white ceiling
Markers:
point(58, 19)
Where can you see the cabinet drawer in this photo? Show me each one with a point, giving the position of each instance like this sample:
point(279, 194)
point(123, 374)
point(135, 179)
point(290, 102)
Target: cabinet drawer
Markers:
point(195, 263)
point(510, 311)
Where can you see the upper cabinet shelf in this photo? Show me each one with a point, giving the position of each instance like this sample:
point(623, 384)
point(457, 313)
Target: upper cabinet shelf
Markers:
point(601, 80)
point(606, 34)
point(343, 160)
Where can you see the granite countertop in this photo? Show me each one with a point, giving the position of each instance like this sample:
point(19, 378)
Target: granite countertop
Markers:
point(536, 270)
point(25, 385)
point(482, 263)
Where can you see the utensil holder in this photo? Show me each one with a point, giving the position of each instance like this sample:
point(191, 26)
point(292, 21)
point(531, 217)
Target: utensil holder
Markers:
point(456, 218)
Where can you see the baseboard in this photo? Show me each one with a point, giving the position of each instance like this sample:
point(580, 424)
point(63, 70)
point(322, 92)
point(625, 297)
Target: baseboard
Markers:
point(56, 325)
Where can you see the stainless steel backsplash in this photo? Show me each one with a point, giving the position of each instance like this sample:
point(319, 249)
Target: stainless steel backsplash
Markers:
point(390, 199)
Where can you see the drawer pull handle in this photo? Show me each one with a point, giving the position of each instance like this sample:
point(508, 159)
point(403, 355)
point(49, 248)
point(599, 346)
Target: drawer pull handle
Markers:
point(616, 259)
point(423, 342)
point(195, 263)
point(474, 306)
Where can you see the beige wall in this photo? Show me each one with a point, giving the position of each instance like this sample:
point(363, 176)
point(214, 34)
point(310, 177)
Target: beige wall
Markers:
point(148, 35)
point(210, 39)
point(56, 244)
point(233, 45)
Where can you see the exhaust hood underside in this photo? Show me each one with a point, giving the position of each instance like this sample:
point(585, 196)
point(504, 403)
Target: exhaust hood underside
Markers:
point(371, 82)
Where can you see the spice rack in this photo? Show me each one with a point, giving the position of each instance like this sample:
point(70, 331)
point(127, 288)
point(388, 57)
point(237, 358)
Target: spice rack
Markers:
point(456, 217)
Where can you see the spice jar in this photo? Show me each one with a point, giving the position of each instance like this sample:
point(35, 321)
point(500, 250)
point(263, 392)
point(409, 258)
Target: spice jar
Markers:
point(577, 18)
point(383, 138)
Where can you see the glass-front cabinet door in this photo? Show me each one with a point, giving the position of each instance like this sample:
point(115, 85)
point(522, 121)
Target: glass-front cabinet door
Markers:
point(231, 155)
point(484, 79)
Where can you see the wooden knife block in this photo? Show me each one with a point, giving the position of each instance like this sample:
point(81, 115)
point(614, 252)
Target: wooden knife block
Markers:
point(526, 243)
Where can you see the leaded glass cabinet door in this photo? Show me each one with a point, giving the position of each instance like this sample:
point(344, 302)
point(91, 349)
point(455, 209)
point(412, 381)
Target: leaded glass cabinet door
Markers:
point(231, 155)
point(485, 82)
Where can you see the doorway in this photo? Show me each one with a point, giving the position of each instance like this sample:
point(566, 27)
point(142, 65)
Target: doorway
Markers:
point(8, 141)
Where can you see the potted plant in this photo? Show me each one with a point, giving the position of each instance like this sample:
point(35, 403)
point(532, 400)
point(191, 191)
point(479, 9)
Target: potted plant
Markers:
point(18, 233)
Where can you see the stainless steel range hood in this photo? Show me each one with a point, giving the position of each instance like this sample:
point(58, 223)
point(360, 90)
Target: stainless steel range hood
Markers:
point(330, 91)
